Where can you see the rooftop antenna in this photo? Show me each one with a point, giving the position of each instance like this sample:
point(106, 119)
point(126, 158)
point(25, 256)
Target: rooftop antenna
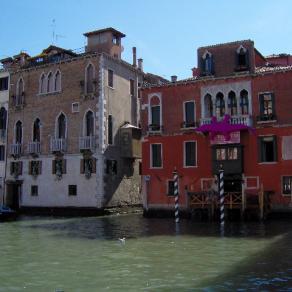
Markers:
point(53, 25)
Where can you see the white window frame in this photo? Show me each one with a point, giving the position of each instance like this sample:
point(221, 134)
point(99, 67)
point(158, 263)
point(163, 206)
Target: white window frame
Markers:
point(184, 156)
point(158, 95)
point(151, 160)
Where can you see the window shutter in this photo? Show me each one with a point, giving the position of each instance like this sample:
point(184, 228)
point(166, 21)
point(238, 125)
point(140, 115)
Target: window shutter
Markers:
point(20, 167)
point(260, 152)
point(93, 165)
point(40, 167)
point(82, 166)
point(53, 166)
point(64, 166)
point(261, 101)
point(275, 144)
point(29, 168)
point(11, 168)
point(273, 103)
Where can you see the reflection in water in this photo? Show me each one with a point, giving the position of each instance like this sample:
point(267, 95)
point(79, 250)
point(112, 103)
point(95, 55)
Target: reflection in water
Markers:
point(84, 254)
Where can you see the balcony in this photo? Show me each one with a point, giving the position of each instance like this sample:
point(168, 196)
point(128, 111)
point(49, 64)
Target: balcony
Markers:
point(185, 125)
point(16, 149)
point(87, 143)
point(58, 145)
point(154, 129)
point(34, 148)
point(266, 118)
point(234, 120)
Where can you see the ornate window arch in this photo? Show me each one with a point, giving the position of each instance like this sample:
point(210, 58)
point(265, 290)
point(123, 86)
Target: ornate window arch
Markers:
point(50, 82)
point(89, 78)
point(36, 131)
point(220, 105)
point(208, 104)
point(57, 81)
point(61, 126)
point(242, 57)
point(42, 83)
point(20, 87)
point(18, 132)
point(232, 103)
point(244, 103)
point(207, 63)
point(88, 128)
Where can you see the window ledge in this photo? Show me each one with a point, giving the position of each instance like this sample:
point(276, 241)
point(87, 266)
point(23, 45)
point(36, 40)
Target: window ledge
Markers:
point(110, 87)
point(266, 122)
point(287, 195)
point(267, 163)
point(152, 167)
point(195, 166)
point(49, 93)
point(188, 128)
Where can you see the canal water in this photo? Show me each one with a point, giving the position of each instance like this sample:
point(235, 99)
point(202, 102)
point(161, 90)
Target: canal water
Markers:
point(86, 255)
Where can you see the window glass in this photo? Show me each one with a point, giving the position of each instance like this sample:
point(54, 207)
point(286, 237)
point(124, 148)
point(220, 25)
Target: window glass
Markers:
point(156, 155)
point(190, 153)
point(287, 185)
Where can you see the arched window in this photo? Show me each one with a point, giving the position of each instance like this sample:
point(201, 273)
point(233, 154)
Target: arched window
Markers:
point(244, 102)
point(3, 118)
point(242, 57)
point(50, 82)
point(61, 127)
point(20, 87)
point(220, 105)
point(18, 132)
point(57, 81)
point(232, 103)
point(208, 106)
point(207, 63)
point(36, 131)
point(89, 78)
point(42, 88)
point(89, 124)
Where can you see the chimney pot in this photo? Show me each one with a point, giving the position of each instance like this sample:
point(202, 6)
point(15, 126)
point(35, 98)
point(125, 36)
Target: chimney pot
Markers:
point(134, 57)
point(173, 78)
point(140, 64)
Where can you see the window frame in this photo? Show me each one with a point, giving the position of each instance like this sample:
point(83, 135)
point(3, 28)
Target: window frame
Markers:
point(260, 151)
point(112, 83)
point(74, 189)
point(151, 156)
point(185, 123)
point(34, 190)
point(282, 185)
point(4, 83)
point(185, 157)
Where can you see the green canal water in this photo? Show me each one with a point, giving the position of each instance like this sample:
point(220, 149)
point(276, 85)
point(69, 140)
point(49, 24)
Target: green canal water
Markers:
point(85, 255)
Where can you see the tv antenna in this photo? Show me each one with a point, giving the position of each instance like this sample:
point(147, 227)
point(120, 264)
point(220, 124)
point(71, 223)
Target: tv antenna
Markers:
point(55, 36)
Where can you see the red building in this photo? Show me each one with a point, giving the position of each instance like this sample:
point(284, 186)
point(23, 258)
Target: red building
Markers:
point(246, 99)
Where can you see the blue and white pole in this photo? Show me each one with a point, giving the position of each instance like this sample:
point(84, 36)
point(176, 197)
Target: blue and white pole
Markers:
point(175, 182)
point(221, 197)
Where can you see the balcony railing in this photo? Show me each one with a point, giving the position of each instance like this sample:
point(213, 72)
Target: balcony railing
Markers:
point(58, 145)
point(234, 120)
point(266, 118)
point(87, 143)
point(18, 100)
point(185, 125)
point(34, 148)
point(16, 149)
point(154, 128)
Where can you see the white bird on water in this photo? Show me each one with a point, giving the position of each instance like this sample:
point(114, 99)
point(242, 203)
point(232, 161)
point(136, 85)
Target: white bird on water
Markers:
point(122, 240)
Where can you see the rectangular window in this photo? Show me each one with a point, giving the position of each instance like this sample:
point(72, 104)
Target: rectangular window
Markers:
point(3, 83)
point(35, 167)
point(170, 191)
point(16, 168)
point(132, 87)
point(110, 129)
point(88, 166)
point(2, 152)
point(268, 149)
point(189, 111)
point(190, 153)
point(156, 155)
point(110, 79)
point(34, 191)
point(232, 153)
point(267, 106)
point(111, 166)
point(221, 154)
point(72, 190)
point(155, 118)
point(287, 185)
point(59, 166)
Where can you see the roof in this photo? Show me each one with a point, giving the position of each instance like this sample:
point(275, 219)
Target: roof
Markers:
point(278, 55)
point(267, 69)
point(114, 31)
point(224, 44)
point(59, 49)
point(5, 60)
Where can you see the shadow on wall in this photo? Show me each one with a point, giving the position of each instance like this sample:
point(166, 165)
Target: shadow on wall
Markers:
point(121, 176)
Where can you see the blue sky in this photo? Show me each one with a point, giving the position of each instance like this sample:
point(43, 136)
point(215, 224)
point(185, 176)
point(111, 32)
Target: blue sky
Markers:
point(166, 33)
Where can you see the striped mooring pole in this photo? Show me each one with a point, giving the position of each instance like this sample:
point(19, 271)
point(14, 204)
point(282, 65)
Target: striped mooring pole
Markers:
point(221, 197)
point(175, 182)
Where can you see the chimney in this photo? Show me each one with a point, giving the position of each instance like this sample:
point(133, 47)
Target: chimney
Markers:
point(173, 78)
point(140, 64)
point(134, 57)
